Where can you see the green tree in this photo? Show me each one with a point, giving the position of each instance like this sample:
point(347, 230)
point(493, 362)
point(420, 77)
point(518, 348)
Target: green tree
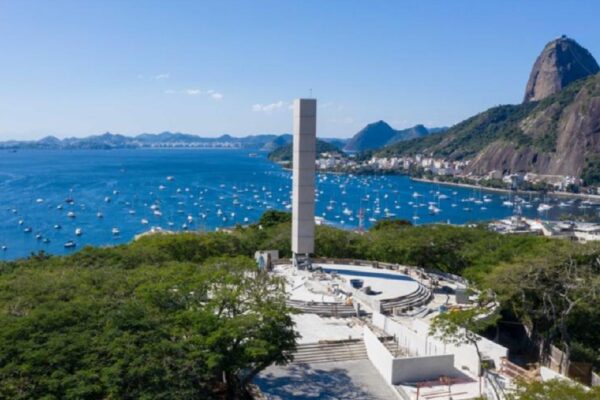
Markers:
point(166, 330)
point(548, 292)
point(273, 217)
point(461, 327)
point(555, 389)
point(253, 327)
point(390, 223)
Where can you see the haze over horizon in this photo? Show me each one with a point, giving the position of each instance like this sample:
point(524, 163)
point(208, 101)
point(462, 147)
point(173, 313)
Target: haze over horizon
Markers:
point(78, 69)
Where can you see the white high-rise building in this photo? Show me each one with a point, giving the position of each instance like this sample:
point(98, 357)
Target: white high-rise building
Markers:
point(303, 191)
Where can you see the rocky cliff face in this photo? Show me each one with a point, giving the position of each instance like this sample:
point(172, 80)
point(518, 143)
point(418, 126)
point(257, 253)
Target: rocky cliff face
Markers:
point(555, 131)
point(561, 138)
point(562, 62)
point(559, 135)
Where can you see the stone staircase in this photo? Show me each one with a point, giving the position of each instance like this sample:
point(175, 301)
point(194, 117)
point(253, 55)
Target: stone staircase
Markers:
point(329, 352)
point(393, 347)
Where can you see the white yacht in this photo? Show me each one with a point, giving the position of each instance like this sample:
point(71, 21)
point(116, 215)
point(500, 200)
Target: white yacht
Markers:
point(544, 207)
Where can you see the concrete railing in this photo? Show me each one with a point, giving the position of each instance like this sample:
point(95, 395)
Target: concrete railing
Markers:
point(595, 379)
point(352, 261)
point(493, 386)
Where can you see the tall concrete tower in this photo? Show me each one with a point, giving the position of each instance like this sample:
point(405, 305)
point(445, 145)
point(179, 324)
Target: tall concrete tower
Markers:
point(303, 190)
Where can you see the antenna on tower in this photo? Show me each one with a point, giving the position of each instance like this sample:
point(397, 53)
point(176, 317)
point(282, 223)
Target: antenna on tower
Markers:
point(310, 93)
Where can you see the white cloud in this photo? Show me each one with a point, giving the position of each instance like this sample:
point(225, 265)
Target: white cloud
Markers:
point(331, 105)
point(269, 108)
point(343, 120)
point(195, 92)
point(162, 76)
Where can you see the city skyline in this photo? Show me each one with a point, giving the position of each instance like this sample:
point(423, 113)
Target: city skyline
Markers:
point(80, 69)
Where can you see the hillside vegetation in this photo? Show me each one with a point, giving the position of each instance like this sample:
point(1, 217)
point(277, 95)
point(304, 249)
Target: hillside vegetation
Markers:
point(168, 316)
point(554, 136)
point(285, 153)
point(379, 134)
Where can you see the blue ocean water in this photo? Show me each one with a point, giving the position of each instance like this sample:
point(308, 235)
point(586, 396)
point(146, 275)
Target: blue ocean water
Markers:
point(114, 195)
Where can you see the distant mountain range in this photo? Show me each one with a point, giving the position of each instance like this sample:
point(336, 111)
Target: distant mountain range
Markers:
point(145, 140)
point(372, 137)
point(107, 141)
point(380, 134)
point(266, 142)
point(555, 131)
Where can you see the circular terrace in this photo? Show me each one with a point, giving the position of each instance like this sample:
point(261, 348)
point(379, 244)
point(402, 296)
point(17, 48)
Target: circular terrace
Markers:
point(349, 287)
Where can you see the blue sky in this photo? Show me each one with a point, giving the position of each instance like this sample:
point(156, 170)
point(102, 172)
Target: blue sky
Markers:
point(76, 68)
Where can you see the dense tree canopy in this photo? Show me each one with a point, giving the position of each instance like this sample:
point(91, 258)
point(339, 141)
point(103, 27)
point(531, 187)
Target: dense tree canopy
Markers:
point(167, 316)
point(168, 331)
point(556, 295)
point(555, 390)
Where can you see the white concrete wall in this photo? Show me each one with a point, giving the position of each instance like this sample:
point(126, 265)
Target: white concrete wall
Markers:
point(414, 337)
point(416, 369)
point(492, 350)
point(547, 374)
point(379, 356)
point(407, 369)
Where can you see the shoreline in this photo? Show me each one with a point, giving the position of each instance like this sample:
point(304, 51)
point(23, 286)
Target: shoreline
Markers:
point(475, 186)
point(499, 190)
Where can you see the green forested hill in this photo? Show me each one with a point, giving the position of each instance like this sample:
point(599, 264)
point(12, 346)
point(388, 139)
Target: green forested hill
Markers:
point(555, 136)
point(379, 134)
point(284, 153)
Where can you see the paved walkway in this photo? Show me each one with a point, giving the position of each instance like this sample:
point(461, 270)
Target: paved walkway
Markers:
point(334, 380)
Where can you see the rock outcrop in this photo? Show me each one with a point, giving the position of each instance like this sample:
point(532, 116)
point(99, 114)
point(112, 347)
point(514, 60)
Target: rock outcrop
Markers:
point(554, 132)
point(559, 136)
point(562, 62)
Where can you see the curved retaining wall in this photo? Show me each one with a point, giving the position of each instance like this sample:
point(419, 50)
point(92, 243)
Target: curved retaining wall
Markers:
point(418, 298)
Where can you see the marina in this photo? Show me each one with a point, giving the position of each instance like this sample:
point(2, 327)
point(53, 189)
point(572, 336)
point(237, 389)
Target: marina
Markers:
point(58, 204)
